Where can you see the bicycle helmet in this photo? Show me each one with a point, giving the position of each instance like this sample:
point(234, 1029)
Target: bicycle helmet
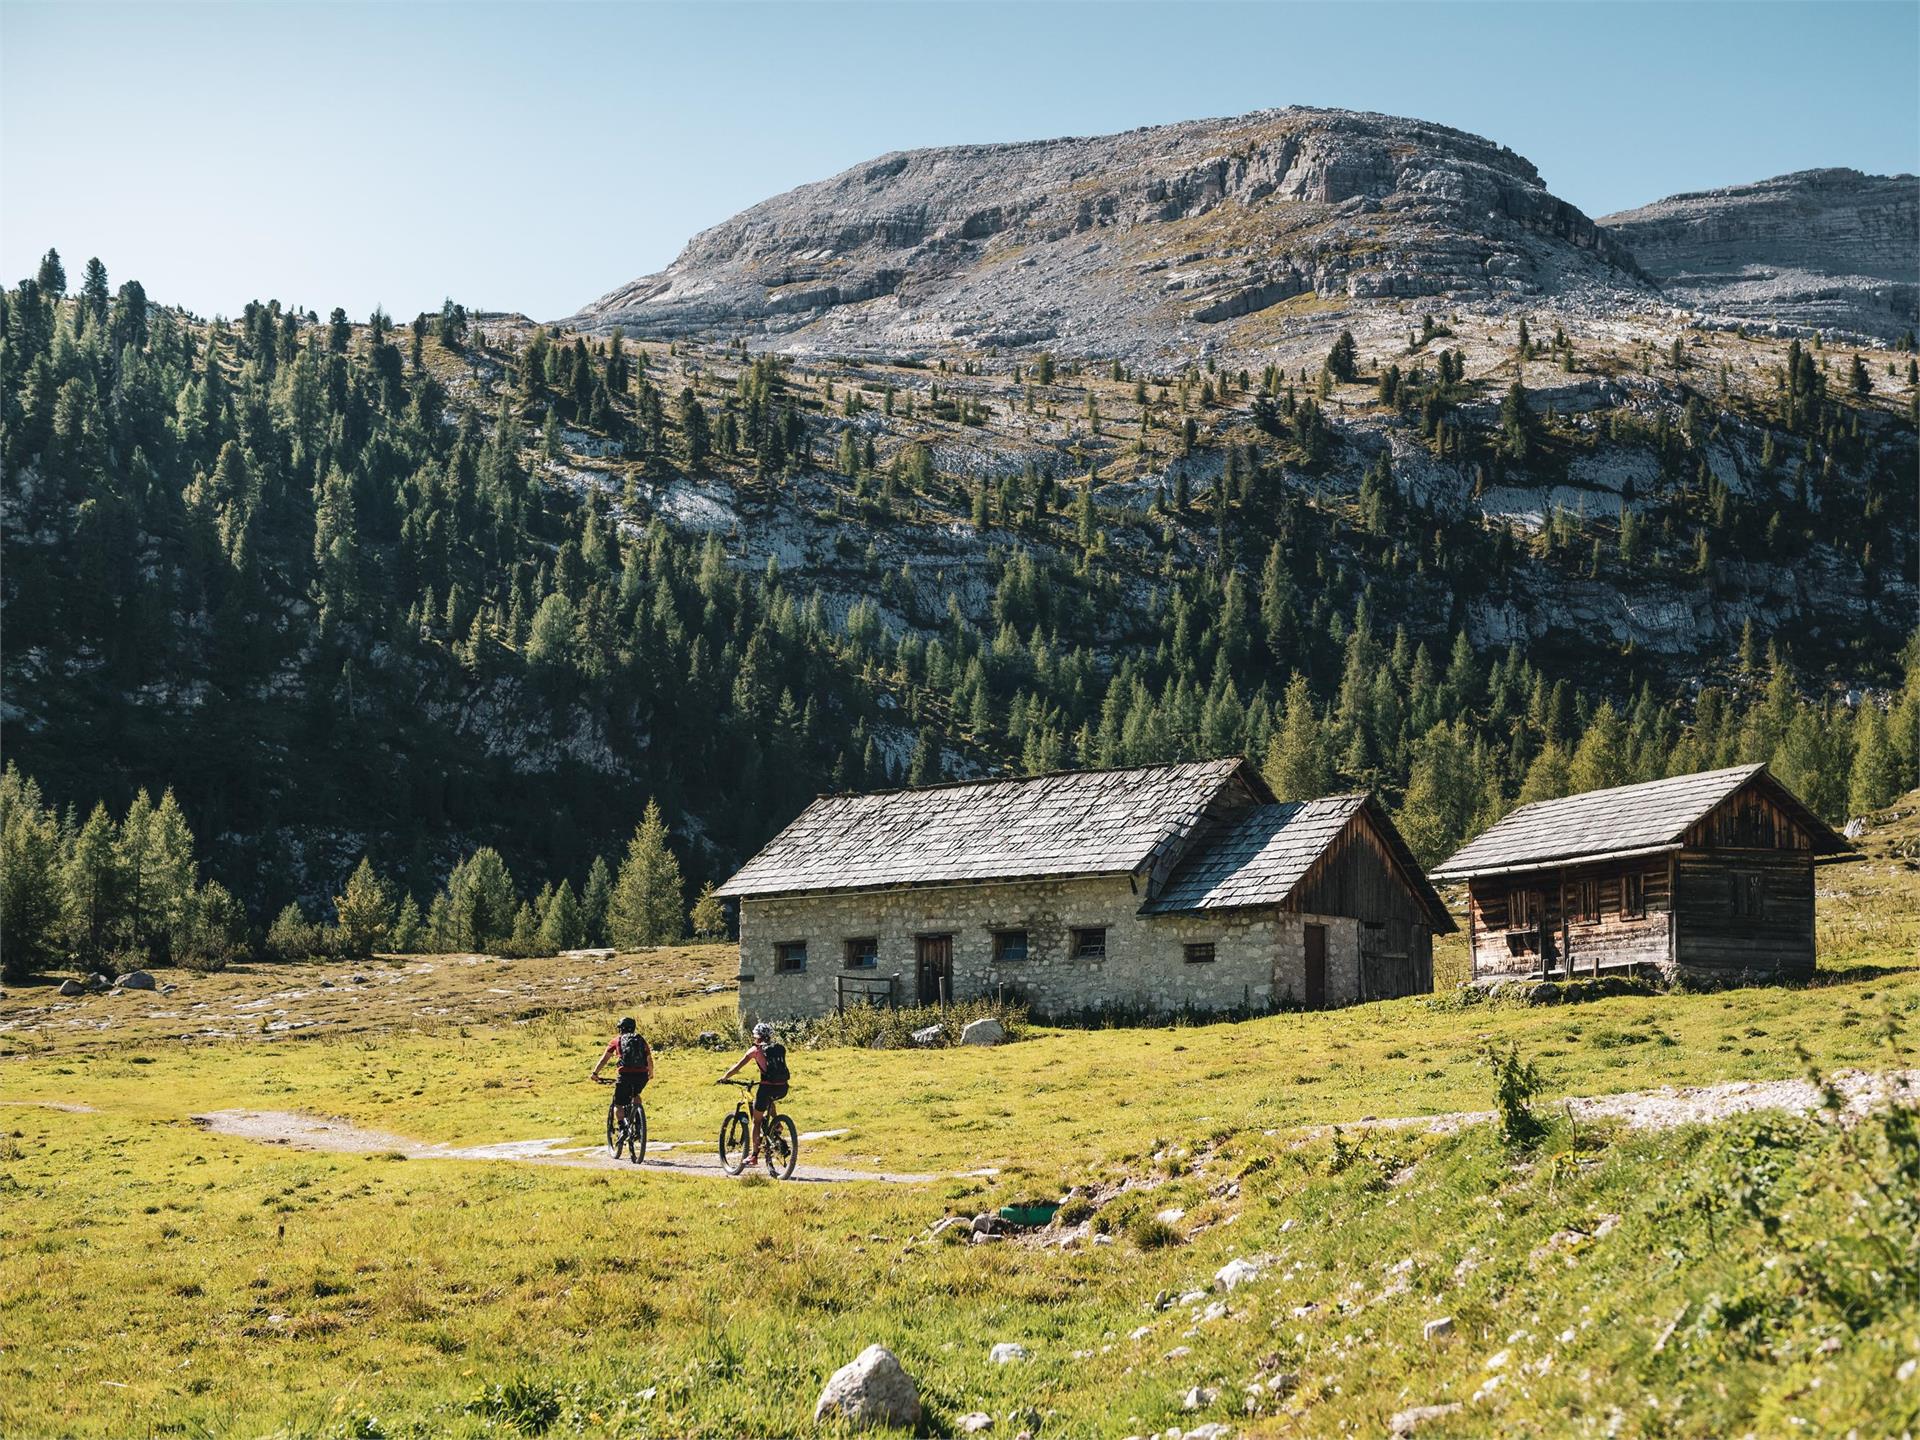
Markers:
point(627, 1027)
point(763, 1032)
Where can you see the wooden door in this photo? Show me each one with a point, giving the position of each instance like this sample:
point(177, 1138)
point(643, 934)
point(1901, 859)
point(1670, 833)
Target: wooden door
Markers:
point(936, 969)
point(1316, 967)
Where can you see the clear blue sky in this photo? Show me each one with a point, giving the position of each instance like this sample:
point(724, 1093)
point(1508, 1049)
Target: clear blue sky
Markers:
point(532, 157)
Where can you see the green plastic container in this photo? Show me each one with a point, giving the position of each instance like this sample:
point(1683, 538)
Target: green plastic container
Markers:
point(1038, 1214)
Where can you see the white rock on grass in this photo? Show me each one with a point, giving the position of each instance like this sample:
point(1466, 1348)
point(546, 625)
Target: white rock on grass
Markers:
point(1172, 1215)
point(72, 987)
point(974, 1422)
point(1409, 1421)
point(872, 1389)
point(136, 980)
point(1438, 1329)
point(984, 1031)
point(1007, 1352)
point(1199, 1397)
point(1212, 1430)
point(1236, 1273)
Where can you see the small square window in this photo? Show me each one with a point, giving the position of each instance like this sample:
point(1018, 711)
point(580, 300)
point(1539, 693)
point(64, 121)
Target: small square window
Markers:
point(1009, 946)
point(863, 953)
point(789, 956)
point(1200, 953)
point(1586, 899)
point(1090, 944)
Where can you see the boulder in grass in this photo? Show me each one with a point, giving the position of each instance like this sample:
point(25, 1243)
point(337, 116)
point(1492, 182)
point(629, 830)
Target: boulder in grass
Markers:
point(984, 1031)
point(72, 987)
point(137, 980)
point(1007, 1352)
point(1410, 1421)
point(871, 1390)
point(1438, 1329)
point(929, 1037)
point(974, 1422)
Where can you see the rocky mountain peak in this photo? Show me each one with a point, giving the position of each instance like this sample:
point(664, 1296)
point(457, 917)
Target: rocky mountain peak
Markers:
point(1816, 249)
point(1158, 241)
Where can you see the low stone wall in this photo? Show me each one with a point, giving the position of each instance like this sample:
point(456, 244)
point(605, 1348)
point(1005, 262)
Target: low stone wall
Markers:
point(1258, 955)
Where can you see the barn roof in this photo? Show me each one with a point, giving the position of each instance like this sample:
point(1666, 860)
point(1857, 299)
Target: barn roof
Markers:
point(1261, 856)
point(1628, 819)
point(1088, 822)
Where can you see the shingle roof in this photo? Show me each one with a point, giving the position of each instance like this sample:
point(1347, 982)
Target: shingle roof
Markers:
point(1649, 816)
point(1259, 857)
point(1092, 822)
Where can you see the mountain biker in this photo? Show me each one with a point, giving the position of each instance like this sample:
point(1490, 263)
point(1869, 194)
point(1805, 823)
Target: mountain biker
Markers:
point(635, 1064)
point(771, 1057)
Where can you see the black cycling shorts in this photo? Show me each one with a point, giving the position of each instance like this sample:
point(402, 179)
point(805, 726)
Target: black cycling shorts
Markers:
point(627, 1088)
point(764, 1095)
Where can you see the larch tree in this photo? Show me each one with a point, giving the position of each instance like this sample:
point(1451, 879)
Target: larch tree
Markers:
point(646, 906)
point(365, 911)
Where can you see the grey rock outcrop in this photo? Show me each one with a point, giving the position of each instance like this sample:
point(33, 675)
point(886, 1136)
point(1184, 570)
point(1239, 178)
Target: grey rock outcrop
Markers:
point(136, 980)
point(1819, 249)
point(870, 1390)
point(984, 1031)
point(1153, 242)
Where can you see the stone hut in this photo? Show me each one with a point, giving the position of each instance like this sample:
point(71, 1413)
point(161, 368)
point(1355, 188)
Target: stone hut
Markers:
point(1709, 874)
point(1146, 891)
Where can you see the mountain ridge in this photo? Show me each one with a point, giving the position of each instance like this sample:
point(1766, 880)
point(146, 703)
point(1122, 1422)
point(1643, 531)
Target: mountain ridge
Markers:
point(1209, 236)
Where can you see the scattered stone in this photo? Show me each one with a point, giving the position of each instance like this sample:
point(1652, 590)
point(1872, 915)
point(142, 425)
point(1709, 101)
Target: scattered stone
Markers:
point(984, 1031)
point(1199, 1397)
point(137, 980)
point(1437, 1329)
point(1179, 1352)
point(1007, 1352)
point(1216, 1311)
point(974, 1422)
point(361, 980)
point(1408, 1422)
point(1908, 1369)
point(1212, 1430)
point(949, 1222)
point(72, 987)
point(100, 980)
point(1236, 1273)
point(929, 1037)
point(870, 1390)
point(1498, 1360)
point(1172, 1215)
point(1285, 1383)
point(1141, 1333)
point(1193, 1297)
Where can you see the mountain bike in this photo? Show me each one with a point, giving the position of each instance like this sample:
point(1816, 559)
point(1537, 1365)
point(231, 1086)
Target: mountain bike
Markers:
point(779, 1140)
point(627, 1128)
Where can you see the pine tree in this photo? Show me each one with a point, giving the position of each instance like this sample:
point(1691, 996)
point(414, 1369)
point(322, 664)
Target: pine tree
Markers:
point(709, 916)
point(93, 885)
point(595, 900)
point(1546, 777)
point(562, 925)
point(1297, 765)
point(32, 890)
point(480, 901)
point(364, 912)
point(645, 908)
point(1599, 761)
point(94, 295)
point(408, 928)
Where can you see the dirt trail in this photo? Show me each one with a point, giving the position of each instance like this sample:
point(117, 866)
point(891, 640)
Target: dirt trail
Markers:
point(687, 1157)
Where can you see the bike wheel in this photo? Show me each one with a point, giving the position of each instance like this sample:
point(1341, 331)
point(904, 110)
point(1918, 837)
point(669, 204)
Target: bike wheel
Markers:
point(613, 1131)
point(733, 1143)
point(637, 1139)
point(782, 1143)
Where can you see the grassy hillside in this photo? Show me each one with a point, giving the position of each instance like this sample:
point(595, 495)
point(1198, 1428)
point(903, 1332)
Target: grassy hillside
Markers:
point(1704, 1281)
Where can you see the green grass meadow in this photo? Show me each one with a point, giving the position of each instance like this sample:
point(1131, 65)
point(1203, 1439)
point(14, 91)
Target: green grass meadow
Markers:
point(156, 1279)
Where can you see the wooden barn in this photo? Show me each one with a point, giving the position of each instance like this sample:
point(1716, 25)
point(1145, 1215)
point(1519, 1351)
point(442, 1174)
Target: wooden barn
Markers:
point(1708, 874)
point(1145, 891)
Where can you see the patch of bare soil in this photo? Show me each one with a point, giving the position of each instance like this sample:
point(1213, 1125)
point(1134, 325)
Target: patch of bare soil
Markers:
point(312, 1132)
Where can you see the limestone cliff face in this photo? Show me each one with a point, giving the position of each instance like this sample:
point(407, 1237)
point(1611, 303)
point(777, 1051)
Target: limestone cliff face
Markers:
point(1817, 249)
point(1160, 241)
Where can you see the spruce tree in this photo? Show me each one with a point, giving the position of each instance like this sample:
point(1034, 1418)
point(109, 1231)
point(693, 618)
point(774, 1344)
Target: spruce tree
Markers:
point(709, 916)
point(32, 892)
point(1297, 766)
point(562, 926)
point(595, 900)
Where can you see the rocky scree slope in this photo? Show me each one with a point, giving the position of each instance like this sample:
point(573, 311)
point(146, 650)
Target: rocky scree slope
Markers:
point(1166, 241)
point(1820, 249)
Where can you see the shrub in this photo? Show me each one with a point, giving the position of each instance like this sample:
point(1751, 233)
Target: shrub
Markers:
point(876, 1027)
point(1150, 1232)
point(1515, 1083)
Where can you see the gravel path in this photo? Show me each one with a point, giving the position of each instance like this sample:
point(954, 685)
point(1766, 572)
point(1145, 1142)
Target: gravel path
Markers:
point(1674, 1105)
point(685, 1157)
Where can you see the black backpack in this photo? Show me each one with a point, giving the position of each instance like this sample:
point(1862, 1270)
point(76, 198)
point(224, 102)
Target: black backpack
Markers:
point(775, 1054)
point(633, 1053)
